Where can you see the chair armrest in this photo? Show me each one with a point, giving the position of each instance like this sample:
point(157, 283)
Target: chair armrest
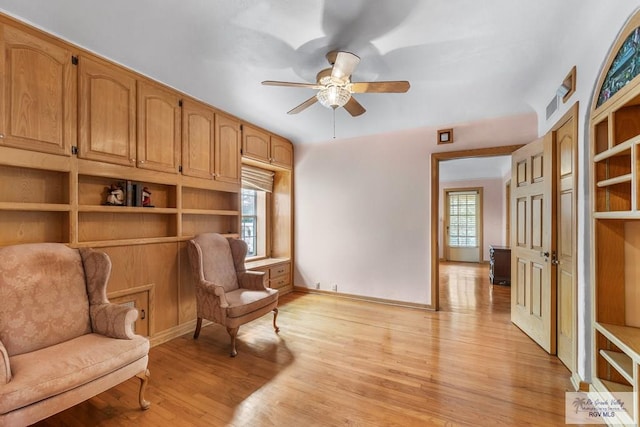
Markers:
point(217, 290)
point(5, 368)
point(113, 320)
point(254, 280)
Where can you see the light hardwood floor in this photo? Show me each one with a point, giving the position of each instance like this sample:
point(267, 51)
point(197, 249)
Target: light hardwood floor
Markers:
point(341, 362)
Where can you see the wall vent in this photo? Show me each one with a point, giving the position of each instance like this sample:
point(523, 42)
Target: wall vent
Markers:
point(552, 106)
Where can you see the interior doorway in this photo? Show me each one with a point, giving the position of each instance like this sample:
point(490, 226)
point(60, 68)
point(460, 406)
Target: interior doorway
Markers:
point(436, 220)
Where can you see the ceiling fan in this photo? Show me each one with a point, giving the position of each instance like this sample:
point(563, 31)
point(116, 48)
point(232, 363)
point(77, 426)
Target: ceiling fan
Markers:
point(335, 88)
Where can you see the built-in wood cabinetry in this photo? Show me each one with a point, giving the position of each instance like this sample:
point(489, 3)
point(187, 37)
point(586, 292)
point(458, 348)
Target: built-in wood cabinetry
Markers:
point(277, 271)
point(159, 120)
point(107, 112)
point(211, 143)
point(56, 166)
point(270, 149)
point(267, 151)
point(615, 188)
point(38, 92)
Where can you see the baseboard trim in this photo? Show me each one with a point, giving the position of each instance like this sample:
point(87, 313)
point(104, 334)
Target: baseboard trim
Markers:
point(175, 332)
point(305, 290)
point(578, 384)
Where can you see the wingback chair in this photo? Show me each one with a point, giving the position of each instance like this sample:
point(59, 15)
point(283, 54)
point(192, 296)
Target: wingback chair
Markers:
point(226, 293)
point(61, 340)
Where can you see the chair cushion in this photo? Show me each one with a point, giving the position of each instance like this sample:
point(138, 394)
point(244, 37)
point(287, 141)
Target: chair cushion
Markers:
point(217, 261)
point(244, 301)
point(53, 370)
point(43, 296)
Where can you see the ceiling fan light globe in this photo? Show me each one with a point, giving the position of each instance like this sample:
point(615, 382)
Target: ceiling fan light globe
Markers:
point(333, 96)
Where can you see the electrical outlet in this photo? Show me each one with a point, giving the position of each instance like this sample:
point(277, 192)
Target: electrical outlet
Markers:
point(317, 285)
point(334, 287)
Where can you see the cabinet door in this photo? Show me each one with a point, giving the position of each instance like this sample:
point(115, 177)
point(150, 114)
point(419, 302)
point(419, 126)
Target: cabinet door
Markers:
point(255, 144)
point(107, 130)
point(38, 93)
point(228, 140)
point(198, 133)
point(158, 128)
point(281, 152)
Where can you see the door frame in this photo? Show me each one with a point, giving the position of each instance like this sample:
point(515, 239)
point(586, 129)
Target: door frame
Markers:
point(436, 158)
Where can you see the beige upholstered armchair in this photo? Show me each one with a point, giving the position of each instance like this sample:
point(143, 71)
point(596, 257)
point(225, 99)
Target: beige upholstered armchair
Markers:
point(61, 341)
point(226, 293)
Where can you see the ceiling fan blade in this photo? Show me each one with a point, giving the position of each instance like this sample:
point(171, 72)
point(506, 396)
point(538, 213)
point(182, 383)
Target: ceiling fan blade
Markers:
point(344, 65)
point(354, 107)
point(380, 87)
point(306, 104)
point(292, 84)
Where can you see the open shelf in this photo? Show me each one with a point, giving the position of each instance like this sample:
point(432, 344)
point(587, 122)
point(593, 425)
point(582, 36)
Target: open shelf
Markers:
point(32, 226)
point(114, 225)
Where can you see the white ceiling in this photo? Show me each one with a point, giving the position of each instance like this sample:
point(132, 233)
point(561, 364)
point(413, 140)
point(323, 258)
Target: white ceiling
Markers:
point(467, 60)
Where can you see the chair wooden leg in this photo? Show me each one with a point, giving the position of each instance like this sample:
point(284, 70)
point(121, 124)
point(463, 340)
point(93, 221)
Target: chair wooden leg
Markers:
point(196, 334)
point(144, 379)
point(275, 315)
point(232, 333)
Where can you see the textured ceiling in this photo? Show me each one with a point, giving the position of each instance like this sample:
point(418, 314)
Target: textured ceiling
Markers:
point(467, 60)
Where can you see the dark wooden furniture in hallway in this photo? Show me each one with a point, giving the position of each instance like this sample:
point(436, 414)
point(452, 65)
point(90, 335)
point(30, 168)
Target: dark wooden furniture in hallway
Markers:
point(499, 265)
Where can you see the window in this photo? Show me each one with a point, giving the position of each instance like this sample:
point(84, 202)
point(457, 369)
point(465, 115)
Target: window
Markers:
point(257, 184)
point(463, 225)
point(249, 227)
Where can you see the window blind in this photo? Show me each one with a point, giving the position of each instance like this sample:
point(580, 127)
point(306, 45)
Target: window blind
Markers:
point(257, 178)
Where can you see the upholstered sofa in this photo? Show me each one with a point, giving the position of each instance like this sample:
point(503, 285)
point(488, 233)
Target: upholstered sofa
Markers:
point(61, 341)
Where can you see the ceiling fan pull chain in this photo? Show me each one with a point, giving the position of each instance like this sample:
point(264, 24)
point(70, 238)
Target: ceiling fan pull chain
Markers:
point(334, 123)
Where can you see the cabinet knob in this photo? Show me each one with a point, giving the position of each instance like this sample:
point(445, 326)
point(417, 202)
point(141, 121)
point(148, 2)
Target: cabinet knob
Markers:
point(1, 135)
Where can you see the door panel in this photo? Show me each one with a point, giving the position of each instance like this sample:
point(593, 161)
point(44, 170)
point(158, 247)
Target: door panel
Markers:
point(228, 142)
point(533, 302)
point(198, 133)
point(566, 258)
point(159, 134)
point(37, 93)
point(107, 113)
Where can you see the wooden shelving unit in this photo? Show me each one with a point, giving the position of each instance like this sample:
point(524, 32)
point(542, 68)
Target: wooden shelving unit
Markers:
point(615, 171)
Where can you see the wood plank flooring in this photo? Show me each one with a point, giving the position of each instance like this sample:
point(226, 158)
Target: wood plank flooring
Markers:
point(341, 362)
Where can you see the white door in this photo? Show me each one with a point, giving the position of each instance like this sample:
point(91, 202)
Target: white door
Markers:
point(533, 290)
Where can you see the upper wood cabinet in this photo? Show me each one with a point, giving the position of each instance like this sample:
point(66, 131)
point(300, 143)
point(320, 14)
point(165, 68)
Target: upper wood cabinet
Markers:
point(210, 143)
point(228, 141)
point(159, 128)
point(281, 152)
point(107, 108)
point(198, 139)
point(267, 148)
point(255, 144)
point(37, 93)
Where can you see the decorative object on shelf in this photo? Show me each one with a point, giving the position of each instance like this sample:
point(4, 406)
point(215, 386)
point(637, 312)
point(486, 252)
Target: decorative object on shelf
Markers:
point(115, 195)
point(445, 136)
point(146, 197)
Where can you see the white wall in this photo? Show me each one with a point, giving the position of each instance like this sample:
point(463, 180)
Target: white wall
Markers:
point(362, 207)
point(493, 211)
